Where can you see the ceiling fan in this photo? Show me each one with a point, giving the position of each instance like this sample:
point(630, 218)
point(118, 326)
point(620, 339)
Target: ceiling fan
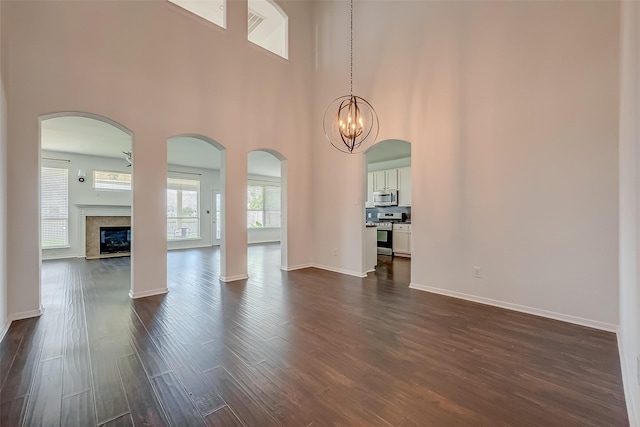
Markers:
point(127, 157)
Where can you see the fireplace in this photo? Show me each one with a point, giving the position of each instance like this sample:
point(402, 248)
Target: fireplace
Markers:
point(115, 240)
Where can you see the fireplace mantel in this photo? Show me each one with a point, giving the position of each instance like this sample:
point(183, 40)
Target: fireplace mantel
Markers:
point(103, 210)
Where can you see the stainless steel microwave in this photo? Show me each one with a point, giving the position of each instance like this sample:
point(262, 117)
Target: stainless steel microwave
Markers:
point(385, 198)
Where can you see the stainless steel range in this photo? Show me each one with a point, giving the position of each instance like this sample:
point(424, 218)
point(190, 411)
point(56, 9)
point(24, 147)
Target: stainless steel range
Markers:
point(385, 231)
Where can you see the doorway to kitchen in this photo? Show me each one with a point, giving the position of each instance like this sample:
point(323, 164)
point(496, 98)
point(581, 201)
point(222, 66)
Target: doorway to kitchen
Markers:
point(387, 210)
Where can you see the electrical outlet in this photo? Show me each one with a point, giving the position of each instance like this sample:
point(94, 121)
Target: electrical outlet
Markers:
point(476, 272)
point(335, 251)
point(368, 214)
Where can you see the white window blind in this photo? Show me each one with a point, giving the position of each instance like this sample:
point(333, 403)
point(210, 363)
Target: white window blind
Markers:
point(263, 205)
point(183, 213)
point(54, 207)
point(104, 180)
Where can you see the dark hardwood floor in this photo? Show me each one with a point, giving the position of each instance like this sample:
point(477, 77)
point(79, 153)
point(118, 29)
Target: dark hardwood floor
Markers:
point(302, 348)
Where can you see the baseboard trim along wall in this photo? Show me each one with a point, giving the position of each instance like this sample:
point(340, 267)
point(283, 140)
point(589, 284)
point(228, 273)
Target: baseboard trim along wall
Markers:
point(19, 316)
point(159, 291)
point(521, 308)
point(227, 279)
point(295, 267)
point(340, 270)
point(627, 376)
point(4, 329)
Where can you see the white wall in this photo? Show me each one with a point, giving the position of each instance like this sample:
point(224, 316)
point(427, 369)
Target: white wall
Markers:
point(4, 318)
point(511, 109)
point(160, 74)
point(629, 334)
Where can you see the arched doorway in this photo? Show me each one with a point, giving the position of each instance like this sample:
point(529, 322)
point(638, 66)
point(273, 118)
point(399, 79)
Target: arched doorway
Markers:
point(267, 202)
point(85, 189)
point(195, 197)
point(388, 208)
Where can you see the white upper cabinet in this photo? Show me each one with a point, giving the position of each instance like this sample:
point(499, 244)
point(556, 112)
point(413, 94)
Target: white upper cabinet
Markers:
point(404, 186)
point(369, 202)
point(385, 180)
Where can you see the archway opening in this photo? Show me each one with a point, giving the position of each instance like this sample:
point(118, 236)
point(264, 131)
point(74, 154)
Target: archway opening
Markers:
point(387, 237)
point(266, 209)
point(85, 191)
point(195, 197)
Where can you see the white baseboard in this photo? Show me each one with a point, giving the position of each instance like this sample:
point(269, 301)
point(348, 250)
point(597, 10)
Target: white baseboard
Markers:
point(521, 308)
point(340, 270)
point(627, 376)
point(5, 328)
point(26, 314)
point(295, 267)
point(227, 279)
point(152, 292)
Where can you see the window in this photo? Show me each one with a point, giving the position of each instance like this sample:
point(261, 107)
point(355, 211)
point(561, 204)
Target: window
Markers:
point(263, 206)
point(268, 26)
point(54, 205)
point(103, 180)
point(183, 214)
point(211, 10)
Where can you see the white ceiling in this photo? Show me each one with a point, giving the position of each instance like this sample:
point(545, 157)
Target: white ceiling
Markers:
point(391, 149)
point(91, 137)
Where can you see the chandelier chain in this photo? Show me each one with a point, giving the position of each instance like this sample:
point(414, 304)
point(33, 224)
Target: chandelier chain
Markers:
point(351, 55)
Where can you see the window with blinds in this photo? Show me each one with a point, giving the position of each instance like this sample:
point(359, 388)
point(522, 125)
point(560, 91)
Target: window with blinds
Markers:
point(183, 213)
point(54, 207)
point(263, 205)
point(104, 180)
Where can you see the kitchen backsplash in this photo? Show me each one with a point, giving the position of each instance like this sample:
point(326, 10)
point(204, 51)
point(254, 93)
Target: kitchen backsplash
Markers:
point(374, 212)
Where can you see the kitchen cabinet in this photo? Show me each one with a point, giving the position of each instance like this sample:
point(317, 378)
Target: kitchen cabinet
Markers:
point(404, 186)
point(371, 250)
point(385, 180)
point(401, 239)
point(369, 202)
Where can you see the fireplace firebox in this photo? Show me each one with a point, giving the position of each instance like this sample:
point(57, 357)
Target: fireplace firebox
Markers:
point(115, 240)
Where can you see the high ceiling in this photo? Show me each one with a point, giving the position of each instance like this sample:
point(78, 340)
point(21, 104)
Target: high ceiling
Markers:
point(92, 137)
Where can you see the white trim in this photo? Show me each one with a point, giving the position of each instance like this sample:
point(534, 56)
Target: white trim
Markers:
point(5, 328)
point(187, 247)
point(521, 308)
point(159, 291)
point(632, 410)
point(295, 267)
point(52, 258)
point(340, 270)
point(234, 278)
point(26, 314)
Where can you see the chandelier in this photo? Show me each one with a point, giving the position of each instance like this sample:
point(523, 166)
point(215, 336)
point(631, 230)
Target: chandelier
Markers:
point(350, 123)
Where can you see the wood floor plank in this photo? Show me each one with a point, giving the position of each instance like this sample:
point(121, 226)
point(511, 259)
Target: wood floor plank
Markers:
point(307, 347)
point(12, 412)
point(198, 386)
point(79, 410)
point(45, 402)
point(143, 403)
point(122, 421)
point(180, 410)
point(223, 417)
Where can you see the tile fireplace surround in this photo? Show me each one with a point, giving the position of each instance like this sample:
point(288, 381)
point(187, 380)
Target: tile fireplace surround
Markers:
point(93, 224)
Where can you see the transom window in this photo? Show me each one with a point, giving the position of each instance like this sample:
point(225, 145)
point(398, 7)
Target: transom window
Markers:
point(268, 27)
point(263, 205)
point(54, 207)
point(104, 180)
point(183, 213)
